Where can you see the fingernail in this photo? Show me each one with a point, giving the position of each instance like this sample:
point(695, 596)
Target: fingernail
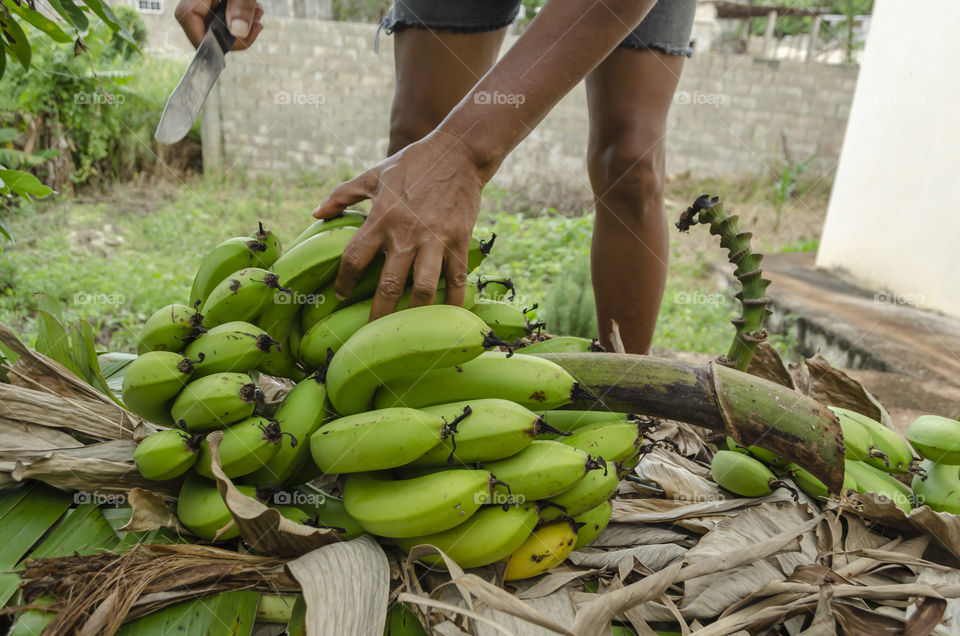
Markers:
point(339, 297)
point(239, 28)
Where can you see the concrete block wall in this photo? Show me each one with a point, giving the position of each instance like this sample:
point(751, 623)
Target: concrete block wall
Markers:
point(313, 94)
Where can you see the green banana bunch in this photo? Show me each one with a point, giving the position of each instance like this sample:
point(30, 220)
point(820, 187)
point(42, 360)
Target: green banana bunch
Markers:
point(325, 301)
point(348, 218)
point(592, 523)
point(495, 287)
point(415, 507)
point(231, 256)
point(941, 488)
point(375, 440)
point(563, 344)
point(279, 319)
point(242, 295)
point(596, 487)
point(246, 447)
point(494, 429)
point(872, 479)
point(151, 381)
point(201, 508)
point(313, 262)
point(532, 382)
point(406, 342)
point(215, 401)
point(170, 328)
point(936, 438)
point(300, 413)
point(490, 535)
point(166, 454)
point(767, 457)
point(895, 456)
point(233, 346)
point(331, 332)
point(545, 548)
point(508, 322)
point(542, 470)
point(857, 441)
point(327, 511)
point(812, 486)
point(612, 442)
point(569, 421)
point(742, 474)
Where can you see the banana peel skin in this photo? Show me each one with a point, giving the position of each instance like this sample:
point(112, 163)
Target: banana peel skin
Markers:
point(751, 410)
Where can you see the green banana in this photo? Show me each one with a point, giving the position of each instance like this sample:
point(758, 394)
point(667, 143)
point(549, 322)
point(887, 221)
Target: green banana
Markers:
point(300, 413)
point(325, 302)
point(542, 470)
point(327, 511)
point(563, 344)
point(895, 456)
point(347, 218)
point(279, 319)
point(406, 342)
point(494, 429)
point(331, 332)
point(273, 249)
point(545, 548)
point(201, 508)
point(767, 457)
point(313, 262)
point(375, 440)
point(415, 507)
point(494, 287)
point(401, 621)
point(592, 523)
point(936, 438)
point(246, 447)
point(170, 328)
point(240, 296)
point(226, 258)
point(612, 442)
point(166, 454)
point(814, 487)
point(857, 441)
point(530, 381)
point(596, 487)
point(507, 322)
point(215, 401)
point(872, 479)
point(569, 421)
point(742, 474)
point(292, 513)
point(233, 346)
point(941, 488)
point(490, 535)
point(151, 381)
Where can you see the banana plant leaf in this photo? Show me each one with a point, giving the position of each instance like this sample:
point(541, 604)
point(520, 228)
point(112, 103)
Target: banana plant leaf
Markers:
point(226, 614)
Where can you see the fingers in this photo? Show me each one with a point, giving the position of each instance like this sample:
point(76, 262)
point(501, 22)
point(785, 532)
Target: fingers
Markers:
point(240, 17)
point(254, 30)
point(426, 272)
point(346, 194)
point(192, 16)
point(455, 271)
point(243, 20)
point(392, 280)
point(360, 251)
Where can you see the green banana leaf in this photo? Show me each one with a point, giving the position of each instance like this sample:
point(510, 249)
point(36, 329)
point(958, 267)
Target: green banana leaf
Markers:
point(226, 614)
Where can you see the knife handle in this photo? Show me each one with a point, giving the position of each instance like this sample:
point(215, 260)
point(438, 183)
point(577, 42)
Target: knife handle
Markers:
point(219, 27)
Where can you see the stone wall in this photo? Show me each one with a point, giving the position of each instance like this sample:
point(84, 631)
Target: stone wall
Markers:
point(314, 94)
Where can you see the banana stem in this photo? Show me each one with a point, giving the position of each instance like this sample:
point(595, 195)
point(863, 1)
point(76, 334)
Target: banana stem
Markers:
point(748, 408)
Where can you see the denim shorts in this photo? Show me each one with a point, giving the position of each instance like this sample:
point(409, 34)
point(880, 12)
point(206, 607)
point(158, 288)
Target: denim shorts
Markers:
point(665, 28)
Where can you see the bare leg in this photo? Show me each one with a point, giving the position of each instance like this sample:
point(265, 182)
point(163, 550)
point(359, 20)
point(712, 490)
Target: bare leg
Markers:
point(629, 96)
point(435, 69)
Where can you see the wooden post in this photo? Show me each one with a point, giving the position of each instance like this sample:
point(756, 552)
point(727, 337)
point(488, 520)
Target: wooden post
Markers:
point(768, 39)
point(814, 37)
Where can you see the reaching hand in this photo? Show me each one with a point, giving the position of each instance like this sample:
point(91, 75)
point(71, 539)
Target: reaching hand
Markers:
point(243, 20)
point(425, 203)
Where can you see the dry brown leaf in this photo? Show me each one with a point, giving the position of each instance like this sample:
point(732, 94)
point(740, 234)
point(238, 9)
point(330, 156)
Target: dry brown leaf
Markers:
point(832, 387)
point(149, 512)
point(673, 474)
point(654, 557)
point(943, 527)
point(556, 605)
point(118, 450)
point(83, 415)
point(551, 582)
point(88, 475)
point(630, 534)
point(687, 438)
point(651, 510)
point(16, 436)
point(767, 364)
point(345, 586)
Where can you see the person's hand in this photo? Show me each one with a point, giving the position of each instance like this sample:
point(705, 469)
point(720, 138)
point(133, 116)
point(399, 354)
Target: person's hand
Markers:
point(425, 203)
point(243, 20)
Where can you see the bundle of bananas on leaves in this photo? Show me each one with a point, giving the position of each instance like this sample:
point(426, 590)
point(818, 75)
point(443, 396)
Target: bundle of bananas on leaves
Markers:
point(874, 454)
point(441, 434)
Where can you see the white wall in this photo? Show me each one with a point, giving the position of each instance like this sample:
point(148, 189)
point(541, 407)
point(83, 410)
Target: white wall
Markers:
point(893, 222)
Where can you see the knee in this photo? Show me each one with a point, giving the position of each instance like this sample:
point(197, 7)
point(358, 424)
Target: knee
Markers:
point(629, 166)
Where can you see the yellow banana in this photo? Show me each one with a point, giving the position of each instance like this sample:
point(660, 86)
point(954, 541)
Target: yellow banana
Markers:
point(300, 413)
point(228, 257)
point(170, 328)
point(415, 507)
point(742, 474)
point(490, 535)
point(166, 454)
point(936, 438)
point(612, 442)
point(542, 470)
point(246, 447)
point(592, 523)
point(895, 455)
point(596, 487)
point(347, 218)
point(563, 344)
point(941, 488)
point(871, 479)
point(240, 296)
point(201, 508)
point(215, 401)
point(152, 381)
point(545, 548)
point(375, 440)
point(406, 342)
point(536, 383)
point(310, 264)
point(233, 346)
point(507, 322)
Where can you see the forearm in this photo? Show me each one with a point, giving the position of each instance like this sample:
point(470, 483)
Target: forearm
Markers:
point(564, 43)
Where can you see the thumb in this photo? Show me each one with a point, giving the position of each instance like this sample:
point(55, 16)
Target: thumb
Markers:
point(348, 193)
point(240, 16)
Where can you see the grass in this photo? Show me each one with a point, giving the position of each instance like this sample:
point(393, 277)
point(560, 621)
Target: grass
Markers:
point(115, 258)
